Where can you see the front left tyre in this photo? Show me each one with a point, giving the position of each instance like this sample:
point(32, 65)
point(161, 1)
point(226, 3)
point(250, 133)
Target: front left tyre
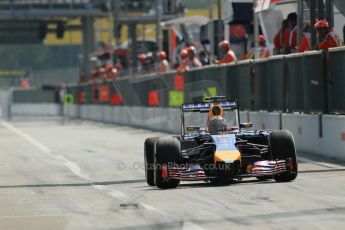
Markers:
point(167, 153)
point(149, 160)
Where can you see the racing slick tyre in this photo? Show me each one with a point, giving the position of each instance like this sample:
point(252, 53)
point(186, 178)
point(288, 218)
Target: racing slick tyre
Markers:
point(282, 147)
point(167, 153)
point(149, 160)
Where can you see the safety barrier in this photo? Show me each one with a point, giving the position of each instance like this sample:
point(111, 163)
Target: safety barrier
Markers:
point(264, 120)
point(314, 133)
point(36, 109)
point(5, 108)
point(306, 130)
point(333, 136)
point(319, 134)
point(159, 119)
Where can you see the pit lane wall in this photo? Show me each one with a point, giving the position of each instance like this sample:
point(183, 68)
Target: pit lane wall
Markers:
point(318, 134)
point(5, 104)
point(35, 110)
point(322, 135)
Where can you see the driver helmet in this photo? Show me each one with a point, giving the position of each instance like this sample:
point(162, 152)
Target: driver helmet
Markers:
point(217, 124)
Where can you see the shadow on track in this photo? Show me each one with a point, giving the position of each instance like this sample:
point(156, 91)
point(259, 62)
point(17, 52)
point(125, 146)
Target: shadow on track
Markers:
point(72, 184)
point(204, 184)
point(242, 182)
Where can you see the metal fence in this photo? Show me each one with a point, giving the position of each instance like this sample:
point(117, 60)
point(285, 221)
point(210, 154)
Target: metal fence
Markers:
point(309, 82)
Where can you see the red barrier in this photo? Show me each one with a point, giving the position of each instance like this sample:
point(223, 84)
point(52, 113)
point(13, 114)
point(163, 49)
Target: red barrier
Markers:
point(179, 82)
point(116, 99)
point(82, 97)
point(104, 93)
point(95, 94)
point(153, 98)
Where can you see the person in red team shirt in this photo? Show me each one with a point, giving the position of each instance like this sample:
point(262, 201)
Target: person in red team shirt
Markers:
point(327, 37)
point(193, 61)
point(305, 43)
point(102, 73)
point(111, 72)
point(281, 38)
point(227, 55)
point(293, 31)
point(183, 62)
point(163, 64)
point(263, 51)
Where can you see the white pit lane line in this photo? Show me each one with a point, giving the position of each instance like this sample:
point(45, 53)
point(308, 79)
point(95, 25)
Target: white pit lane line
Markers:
point(28, 138)
point(75, 169)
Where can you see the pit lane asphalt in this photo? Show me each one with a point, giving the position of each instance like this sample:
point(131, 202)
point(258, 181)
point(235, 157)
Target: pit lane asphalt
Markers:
point(64, 174)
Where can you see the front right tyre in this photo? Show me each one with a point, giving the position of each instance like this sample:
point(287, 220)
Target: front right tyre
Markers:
point(282, 147)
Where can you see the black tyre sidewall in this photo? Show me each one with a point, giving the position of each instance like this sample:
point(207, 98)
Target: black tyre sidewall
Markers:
point(167, 152)
point(149, 160)
point(282, 147)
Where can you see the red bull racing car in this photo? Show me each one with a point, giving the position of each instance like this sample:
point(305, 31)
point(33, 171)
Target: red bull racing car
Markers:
point(215, 146)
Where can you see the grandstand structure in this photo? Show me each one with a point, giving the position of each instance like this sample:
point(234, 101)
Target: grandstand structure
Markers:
point(27, 21)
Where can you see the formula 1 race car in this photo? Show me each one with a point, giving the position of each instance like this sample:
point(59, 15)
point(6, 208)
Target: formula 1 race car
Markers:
point(221, 151)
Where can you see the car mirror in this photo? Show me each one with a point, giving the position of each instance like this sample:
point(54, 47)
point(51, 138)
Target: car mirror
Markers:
point(246, 125)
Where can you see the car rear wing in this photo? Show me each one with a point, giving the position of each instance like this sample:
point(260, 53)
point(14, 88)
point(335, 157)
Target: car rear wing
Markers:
point(205, 106)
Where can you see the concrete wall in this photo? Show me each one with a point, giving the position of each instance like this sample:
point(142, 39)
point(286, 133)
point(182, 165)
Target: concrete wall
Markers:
point(334, 136)
point(159, 119)
point(264, 120)
point(5, 108)
point(306, 131)
point(27, 110)
point(322, 135)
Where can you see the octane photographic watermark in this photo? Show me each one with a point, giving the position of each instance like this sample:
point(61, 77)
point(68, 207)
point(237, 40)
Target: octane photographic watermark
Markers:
point(122, 166)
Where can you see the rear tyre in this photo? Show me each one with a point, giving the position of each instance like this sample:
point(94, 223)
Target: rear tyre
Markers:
point(282, 147)
point(167, 153)
point(149, 160)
